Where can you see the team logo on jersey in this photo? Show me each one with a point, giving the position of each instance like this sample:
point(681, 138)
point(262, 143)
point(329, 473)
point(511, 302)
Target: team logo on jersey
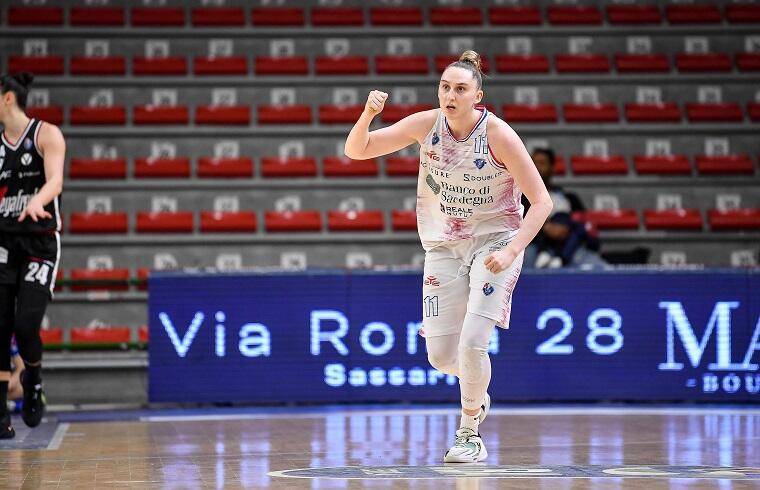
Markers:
point(433, 184)
point(435, 139)
point(432, 281)
point(487, 289)
point(480, 163)
point(26, 159)
point(27, 144)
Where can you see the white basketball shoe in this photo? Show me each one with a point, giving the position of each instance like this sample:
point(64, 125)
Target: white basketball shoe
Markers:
point(468, 448)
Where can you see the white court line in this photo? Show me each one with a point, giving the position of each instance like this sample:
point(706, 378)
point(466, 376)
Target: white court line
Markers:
point(60, 433)
point(453, 411)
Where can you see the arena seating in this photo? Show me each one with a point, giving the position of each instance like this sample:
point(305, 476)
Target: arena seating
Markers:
point(688, 141)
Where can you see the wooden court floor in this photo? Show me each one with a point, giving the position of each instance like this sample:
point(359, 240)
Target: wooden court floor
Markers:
point(386, 448)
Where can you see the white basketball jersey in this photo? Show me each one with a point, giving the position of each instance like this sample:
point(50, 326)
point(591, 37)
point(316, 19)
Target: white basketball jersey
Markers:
point(463, 191)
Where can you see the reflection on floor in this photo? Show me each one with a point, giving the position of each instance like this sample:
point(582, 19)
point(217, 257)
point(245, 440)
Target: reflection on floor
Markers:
point(552, 448)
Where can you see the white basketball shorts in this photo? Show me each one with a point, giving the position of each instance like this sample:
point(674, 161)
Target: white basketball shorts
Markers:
point(456, 282)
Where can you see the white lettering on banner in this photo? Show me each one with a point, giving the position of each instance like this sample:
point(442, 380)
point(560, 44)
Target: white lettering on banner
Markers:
point(720, 322)
point(255, 338)
point(337, 375)
point(318, 336)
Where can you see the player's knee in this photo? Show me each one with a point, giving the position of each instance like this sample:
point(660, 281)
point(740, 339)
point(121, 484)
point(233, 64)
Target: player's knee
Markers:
point(444, 362)
point(472, 363)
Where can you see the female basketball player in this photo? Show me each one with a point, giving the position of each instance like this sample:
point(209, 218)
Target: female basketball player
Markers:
point(31, 179)
point(473, 170)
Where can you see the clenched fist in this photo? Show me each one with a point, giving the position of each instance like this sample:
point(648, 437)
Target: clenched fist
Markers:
point(500, 260)
point(375, 102)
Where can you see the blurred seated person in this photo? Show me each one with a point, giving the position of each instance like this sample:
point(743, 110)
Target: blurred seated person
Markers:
point(562, 242)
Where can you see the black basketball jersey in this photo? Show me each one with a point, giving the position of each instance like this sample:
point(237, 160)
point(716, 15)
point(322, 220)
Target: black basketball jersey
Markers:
point(22, 175)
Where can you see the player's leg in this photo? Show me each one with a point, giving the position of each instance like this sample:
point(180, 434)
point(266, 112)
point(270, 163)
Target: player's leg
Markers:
point(489, 304)
point(36, 283)
point(444, 293)
point(7, 305)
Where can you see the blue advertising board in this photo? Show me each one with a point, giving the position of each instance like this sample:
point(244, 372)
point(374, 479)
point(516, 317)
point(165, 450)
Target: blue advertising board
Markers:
point(353, 336)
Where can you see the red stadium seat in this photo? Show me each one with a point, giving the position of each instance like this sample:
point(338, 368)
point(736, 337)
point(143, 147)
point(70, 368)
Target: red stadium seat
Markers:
point(217, 16)
point(227, 222)
point(39, 65)
point(590, 113)
point(748, 61)
point(662, 165)
point(341, 65)
point(98, 223)
point(725, 112)
point(368, 220)
point(725, 165)
point(574, 14)
point(692, 13)
point(99, 279)
point(456, 16)
point(142, 278)
point(518, 63)
point(346, 167)
point(35, 16)
point(560, 168)
point(96, 16)
point(622, 219)
point(216, 114)
point(443, 61)
point(539, 113)
point(165, 222)
point(395, 16)
point(515, 15)
point(225, 65)
point(337, 16)
point(210, 167)
point(162, 167)
point(665, 112)
point(104, 116)
point(93, 168)
point(157, 16)
point(636, 63)
point(277, 16)
point(290, 114)
point(281, 65)
point(582, 63)
point(173, 65)
point(52, 114)
point(339, 114)
point(286, 221)
point(103, 337)
point(736, 219)
point(402, 166)
point(673, 219)
point(288, 167)
point(404, 220)
point(52, 336)
point(633, 14)
point(753, 109)
point(593, 165)
point(401, 64)
point(703, 62)
point(743, 13)
point(142, 334)
point(87, 65)
point(151, 114)
point(396, 112)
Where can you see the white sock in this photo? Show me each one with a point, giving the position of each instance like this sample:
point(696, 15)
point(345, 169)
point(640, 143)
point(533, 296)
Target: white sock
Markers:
point(470, 421)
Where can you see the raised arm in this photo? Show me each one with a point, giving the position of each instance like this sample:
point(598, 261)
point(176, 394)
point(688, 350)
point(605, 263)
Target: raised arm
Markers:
point(362, 144)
